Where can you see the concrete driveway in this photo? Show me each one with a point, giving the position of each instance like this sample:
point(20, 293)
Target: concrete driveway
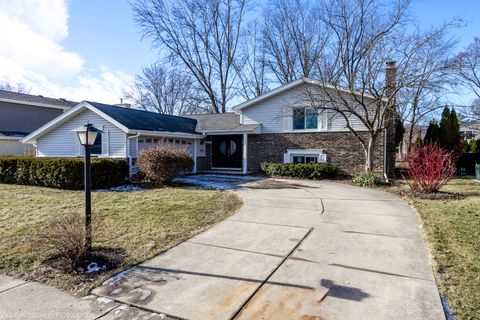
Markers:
point(296, 250)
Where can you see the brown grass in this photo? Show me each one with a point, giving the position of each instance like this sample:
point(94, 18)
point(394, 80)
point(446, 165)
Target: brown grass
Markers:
point(452, 230)
point(129, 226)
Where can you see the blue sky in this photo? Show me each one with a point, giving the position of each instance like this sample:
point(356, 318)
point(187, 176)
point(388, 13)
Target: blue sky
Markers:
point(92, 48)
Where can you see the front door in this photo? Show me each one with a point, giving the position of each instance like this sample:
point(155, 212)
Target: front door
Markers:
point(227, 151)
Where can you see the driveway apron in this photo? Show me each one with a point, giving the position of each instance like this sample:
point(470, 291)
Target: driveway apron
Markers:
point(296, 250)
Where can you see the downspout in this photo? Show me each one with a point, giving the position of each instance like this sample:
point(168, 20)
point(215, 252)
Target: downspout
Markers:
point(129, 157)
point(385, 155)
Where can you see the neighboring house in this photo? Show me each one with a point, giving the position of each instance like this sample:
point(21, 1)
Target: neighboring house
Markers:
point(279, 126)
point(21, 114)
point(470, 131)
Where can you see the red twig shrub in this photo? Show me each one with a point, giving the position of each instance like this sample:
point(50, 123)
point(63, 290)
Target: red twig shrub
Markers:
point(429, 168)
point(164, 162)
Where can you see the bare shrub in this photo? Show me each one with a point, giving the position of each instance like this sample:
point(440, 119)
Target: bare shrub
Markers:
point(429, 168)
point(65, 237)
point(165, 162)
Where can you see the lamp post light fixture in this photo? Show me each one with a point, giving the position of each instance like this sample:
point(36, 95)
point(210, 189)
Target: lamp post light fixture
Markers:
point(87, 135)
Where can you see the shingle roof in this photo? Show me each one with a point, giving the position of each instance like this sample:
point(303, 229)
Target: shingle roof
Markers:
point(29, 98)
point(14, 133)
point(145, 120)
point(221, 122)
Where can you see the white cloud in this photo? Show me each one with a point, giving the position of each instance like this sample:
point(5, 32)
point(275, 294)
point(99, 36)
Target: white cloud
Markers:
point(31, 53)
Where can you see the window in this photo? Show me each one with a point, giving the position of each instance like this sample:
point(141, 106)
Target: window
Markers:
point(96, 148)
point(148, 140)
point(155, 140)
point(305, 118)
point(304, 159)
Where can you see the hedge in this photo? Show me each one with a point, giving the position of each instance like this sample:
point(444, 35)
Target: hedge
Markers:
point(315, 171)
point(62, 173)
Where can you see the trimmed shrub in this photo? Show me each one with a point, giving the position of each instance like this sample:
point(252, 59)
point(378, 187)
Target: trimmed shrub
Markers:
point(368, 179)
point(164, 162)
point(314, 171)
point(429, 168)
point(65, 238)
point(62, 173)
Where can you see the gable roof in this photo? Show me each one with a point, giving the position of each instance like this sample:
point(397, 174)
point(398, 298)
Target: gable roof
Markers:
point(128, 120)
point(35, 100)
point(289, 86)
point(146, 121)
point(216, 122)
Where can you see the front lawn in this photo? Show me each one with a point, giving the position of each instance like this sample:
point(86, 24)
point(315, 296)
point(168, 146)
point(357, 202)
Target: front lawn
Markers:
point(132, 225)
point(452, 230)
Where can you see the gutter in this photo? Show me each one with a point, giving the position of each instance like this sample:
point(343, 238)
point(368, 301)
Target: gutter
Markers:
point(385, 176)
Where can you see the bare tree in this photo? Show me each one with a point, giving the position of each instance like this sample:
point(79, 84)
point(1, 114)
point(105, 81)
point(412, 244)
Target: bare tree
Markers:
point(467, 65)
point(429, 63)
point(251, 67)
point(19, 87)
point(165, 91)
point(293, 39)
point(352, 71)
point(203, 35)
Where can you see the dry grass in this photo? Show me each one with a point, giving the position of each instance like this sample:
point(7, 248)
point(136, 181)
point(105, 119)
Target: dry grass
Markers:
point(452, 231)
point(131, 226)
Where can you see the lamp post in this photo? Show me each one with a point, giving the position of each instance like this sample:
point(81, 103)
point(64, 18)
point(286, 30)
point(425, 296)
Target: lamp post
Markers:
point(87, 135)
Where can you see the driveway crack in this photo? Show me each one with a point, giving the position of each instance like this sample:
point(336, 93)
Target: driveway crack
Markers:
point(285, 258)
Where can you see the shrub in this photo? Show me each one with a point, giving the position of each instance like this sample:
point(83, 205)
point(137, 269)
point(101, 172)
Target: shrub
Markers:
point(368, 179)
point(315, 171)
point(164, 162)
point(429, 168)
point(63, 173)
point(65, 238)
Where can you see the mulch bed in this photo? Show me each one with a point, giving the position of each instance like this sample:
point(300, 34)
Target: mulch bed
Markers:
point(432, 196)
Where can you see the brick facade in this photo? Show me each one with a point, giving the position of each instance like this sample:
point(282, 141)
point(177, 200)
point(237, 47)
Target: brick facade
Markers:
point(342, 149)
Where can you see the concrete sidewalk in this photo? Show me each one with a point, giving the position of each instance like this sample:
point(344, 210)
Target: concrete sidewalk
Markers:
point(296, 250)
point(22, 300)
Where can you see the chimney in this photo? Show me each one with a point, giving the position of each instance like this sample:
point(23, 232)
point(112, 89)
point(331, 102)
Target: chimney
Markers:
point(123, 105)
point(390, 81)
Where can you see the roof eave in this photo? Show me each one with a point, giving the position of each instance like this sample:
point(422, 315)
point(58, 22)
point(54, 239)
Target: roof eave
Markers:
point(166, 134)
point(32, 137)
point(36, 104)
point(294, 84)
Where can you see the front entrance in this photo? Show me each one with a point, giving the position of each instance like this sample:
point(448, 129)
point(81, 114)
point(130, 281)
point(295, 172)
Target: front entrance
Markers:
point(227, 151)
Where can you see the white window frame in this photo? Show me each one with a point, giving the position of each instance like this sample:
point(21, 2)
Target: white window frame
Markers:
point(288, 157)
point(322, 120)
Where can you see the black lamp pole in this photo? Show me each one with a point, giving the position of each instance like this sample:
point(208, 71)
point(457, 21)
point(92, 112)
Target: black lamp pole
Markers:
point(88, 200)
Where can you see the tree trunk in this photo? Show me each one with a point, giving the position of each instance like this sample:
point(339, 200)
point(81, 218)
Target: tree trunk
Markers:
point(368, 149)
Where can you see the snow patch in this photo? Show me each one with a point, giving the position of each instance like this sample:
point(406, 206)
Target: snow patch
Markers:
point(103, 300)
point(125, 188)
point(116, 278)
point(216, 181)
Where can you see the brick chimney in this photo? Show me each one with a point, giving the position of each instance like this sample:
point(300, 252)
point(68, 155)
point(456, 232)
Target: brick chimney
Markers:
point(389, 118)
point(391, 81)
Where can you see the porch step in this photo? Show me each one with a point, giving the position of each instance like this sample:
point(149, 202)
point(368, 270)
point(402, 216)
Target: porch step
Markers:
point(223, 171)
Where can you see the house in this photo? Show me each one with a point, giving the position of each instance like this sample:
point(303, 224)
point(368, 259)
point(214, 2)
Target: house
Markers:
point(21, 114)
point(279, 126)
point(470, 130)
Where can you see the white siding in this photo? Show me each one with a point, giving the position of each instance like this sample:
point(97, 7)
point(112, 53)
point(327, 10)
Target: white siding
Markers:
point(63, 142)
point(132, 149)
point(14, 147)
point(275, 113)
